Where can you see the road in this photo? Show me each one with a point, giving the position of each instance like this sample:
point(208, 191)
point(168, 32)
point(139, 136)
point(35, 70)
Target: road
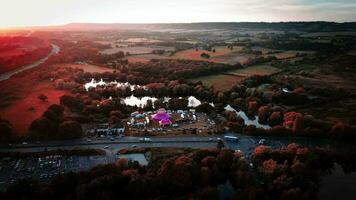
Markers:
point(7, 75)
point(246, 143)
point(116, 144)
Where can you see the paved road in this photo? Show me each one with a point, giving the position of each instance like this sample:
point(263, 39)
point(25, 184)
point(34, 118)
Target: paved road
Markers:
point(7, 75)
point(246, 143)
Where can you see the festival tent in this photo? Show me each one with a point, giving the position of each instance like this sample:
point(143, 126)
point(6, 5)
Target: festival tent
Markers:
point(162, 117)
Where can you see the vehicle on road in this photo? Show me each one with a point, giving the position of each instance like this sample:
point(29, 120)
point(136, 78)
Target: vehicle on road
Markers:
point(231, 138)
point(134, 146)
point(145, 140)
point(106, 147)
point(262, 142)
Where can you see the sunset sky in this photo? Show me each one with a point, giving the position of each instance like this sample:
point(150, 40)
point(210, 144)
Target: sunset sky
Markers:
point(54, 12)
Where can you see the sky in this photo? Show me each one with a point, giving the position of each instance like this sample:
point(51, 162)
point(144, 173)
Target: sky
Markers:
point(16, 13)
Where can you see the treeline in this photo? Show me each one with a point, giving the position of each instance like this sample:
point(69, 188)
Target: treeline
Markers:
point(162, 70)
point(83, 51)
point(288, 173)
point(294, 172)
point(53, 125)
point(263, 103)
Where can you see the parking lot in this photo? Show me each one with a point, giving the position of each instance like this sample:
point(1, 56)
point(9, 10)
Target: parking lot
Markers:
point(44, 168)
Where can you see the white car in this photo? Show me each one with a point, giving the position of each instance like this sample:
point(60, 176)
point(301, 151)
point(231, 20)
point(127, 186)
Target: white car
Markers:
point(106, 147)
point(262, 141)
point(145, 140)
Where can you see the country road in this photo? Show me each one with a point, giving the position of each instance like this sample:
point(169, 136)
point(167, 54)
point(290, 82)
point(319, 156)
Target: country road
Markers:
point(7, 75)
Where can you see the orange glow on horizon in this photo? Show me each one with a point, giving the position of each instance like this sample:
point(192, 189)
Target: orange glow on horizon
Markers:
point(24, 13)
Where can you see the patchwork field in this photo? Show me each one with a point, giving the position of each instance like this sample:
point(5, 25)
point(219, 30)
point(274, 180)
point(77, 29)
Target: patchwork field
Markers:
point(221, 55)
point(133, 50)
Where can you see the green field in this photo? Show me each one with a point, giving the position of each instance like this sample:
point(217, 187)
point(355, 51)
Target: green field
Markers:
point(220, 82)
point(261, 70)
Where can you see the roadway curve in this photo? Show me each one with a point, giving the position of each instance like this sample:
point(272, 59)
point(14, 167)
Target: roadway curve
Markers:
point(7, 75)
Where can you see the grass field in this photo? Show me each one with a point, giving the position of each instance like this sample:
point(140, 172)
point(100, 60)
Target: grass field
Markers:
point(19, 97)
point(255, 70)
point(223, 82)
point(22, 112)
point(220, 82)
point(289, 54)
point(146, 57)
point(87, 67)
point(137, 49)
point(221, 55)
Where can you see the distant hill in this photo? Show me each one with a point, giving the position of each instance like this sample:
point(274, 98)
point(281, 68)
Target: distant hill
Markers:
point(317, 26)
point(296, 26)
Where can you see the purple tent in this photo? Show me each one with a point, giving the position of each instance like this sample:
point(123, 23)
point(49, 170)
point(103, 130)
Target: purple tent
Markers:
point(165, 122)
point(160, 115)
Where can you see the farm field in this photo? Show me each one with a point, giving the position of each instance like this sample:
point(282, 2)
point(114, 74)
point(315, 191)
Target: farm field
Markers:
point(261, 70)
point(289, 54)
point(225, 81)
point(222, 55)
point(234, 58)
point(86, 67)
point(221, 82)
point(137, 49)
point(146, 57)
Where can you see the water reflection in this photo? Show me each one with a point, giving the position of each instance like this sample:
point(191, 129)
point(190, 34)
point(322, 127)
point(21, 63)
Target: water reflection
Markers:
point(247, 120)
point(142, 101)
point(94, 84)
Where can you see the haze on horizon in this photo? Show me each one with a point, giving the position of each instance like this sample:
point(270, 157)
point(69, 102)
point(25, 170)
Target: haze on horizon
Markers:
point(16, 13)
